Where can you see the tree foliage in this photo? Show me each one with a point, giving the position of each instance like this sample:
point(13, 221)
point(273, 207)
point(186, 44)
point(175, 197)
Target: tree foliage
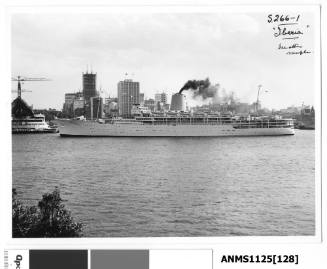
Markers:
point(48, 219)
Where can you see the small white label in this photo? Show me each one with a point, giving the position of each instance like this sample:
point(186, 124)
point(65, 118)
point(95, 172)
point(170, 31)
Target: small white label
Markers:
point(16, 259)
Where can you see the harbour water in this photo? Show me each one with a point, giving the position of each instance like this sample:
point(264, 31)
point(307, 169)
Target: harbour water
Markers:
point(140, 187)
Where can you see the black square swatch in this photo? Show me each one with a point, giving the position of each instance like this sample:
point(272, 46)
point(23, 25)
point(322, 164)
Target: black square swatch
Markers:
point(58, 259)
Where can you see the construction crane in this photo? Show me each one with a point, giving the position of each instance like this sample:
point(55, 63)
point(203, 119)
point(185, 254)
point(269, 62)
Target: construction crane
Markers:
point(21, 79)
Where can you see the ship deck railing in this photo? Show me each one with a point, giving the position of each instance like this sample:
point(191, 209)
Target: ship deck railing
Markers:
point(237, 124)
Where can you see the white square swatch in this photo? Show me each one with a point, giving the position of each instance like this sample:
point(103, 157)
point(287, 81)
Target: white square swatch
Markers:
point(180, 259)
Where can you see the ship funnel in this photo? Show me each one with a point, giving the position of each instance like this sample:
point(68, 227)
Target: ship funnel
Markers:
point(178, 102)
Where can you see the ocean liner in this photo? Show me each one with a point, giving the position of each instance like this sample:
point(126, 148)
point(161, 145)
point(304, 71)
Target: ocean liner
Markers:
point(178, 125)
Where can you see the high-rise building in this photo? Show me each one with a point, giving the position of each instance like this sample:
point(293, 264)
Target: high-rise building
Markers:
point(96, 105)
point(69, 98)
point(141, 99)
point(128, 95)
point(161, 97)
point(78, 106)
point(73, 101)
point(89, 86)
point(68, 105)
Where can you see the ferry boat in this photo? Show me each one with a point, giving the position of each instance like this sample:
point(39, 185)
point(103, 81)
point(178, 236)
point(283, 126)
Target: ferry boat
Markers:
point(35, 124)
point(25, 121)
point(177, 125)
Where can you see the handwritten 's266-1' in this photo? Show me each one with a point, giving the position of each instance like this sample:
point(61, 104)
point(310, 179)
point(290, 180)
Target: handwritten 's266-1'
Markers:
point(282, 18)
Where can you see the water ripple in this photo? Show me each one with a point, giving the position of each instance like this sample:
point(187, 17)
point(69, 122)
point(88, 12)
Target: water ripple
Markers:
point(174, 187)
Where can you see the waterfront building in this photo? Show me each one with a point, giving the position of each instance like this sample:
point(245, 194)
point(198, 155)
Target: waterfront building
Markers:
point(159, 106)
point(150, 104)
point(96, 107)
point(78, 103)
point(69, 98)
point(128, 95)
point(306, 120)
point(161, 97)
point(89, 86)
point(73, 101)
point(79, 95)
point(141, 99)
point(111, 107)
point(89, 91)
point(78, 106)
point(68, 105)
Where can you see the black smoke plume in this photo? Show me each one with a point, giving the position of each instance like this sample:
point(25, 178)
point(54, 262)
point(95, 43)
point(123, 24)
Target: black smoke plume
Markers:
point(201, 88)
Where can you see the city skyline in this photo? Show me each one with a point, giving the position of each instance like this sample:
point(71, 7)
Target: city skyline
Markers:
point(163, 51)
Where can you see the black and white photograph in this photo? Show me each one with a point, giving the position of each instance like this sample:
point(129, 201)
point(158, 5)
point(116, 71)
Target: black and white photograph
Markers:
point(162, 122)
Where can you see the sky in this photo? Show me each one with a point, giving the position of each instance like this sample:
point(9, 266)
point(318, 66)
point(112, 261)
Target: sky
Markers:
point(161, 51)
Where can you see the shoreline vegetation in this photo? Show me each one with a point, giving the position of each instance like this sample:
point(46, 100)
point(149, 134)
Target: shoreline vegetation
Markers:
point(49, 218)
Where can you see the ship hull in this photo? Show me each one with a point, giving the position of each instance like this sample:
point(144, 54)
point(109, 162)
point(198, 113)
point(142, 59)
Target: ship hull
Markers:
point(94, 129)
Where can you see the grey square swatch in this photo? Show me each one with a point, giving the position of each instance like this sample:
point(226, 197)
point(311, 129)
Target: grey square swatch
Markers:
point(119, 259)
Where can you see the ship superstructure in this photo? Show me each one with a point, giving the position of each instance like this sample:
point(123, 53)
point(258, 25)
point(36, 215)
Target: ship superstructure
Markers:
point(34, 124)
